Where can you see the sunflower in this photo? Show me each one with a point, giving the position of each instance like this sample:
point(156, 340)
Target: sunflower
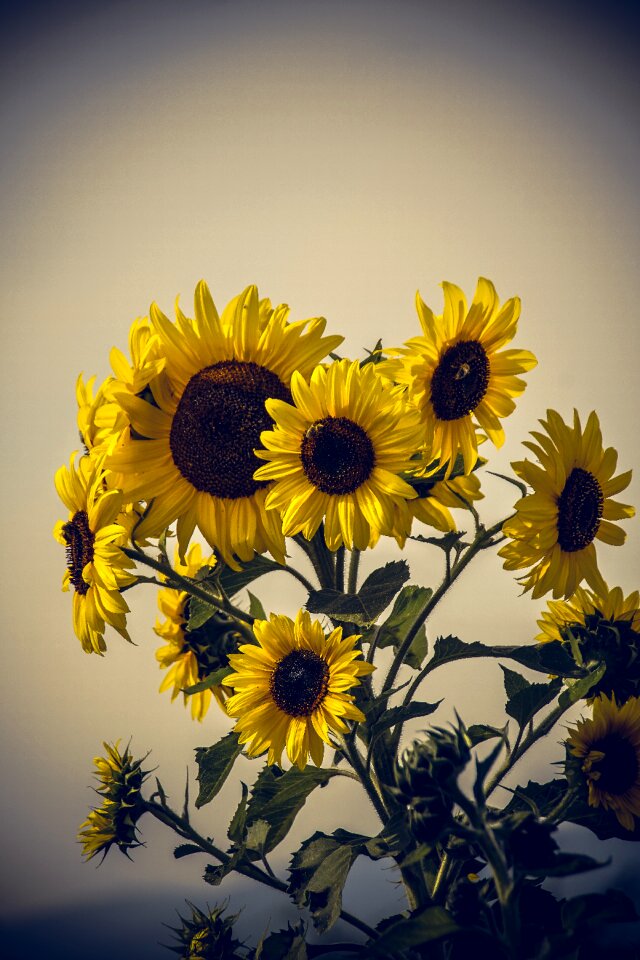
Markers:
point(193, 655)
point(554, 527)
point(96, 567)
point(609, 746)
point(433, 504)
point(208, 411)
point(291, 688)
point(100, 420)
point(612, 606)
point(337, 454)
point(457, 374)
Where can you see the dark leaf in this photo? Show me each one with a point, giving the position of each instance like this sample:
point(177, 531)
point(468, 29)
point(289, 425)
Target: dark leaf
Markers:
point(431, 924)
point(513, 682)
point(448, 649)
point(567, 864)
point(479, 732)
point(199, 613)
point(286, 944)
point(233, 581)
point(319, 870)
point(213, 680)
point(593, 910)
point(393, 840)
point(408, 711)
point(525, 702)
point(236, 827)
point(279, 797)
point(185, 850)
point(541, 798)
point(214, 765)
point(375, 355)
point(408, 604)
point(364, 607)
point(255, 607)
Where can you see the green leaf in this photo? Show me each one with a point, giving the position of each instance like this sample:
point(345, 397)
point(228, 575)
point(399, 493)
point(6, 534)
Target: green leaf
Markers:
point(185, 850)
point(255, 607)
point(375, 355)
point(408, 604)
point(236, 827)
point(278, 798)
point(213, 680)
point(525, 699)
point(256, 836)
point(199, 613)
point(392, 841)
point(214, 765)
point(286, 944)
point(407, 711)
point(594, 910)
point(365, 606)
point(541, 798)
point(216, 873)
point(448, 649)
point(233, 581)
point(580, 688)
point(566, 865)
point(319, 870)
point(429, 925)
point(479, 732)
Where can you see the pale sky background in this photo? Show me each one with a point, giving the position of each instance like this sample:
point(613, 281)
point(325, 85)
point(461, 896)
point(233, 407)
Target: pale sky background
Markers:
point(340, 155)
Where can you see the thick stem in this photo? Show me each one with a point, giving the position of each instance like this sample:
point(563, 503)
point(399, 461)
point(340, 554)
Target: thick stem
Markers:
point(353, 756)
point(354, 563)
point(340, 569)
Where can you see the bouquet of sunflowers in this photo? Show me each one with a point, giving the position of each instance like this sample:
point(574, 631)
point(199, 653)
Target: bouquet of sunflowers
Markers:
point(254, 431)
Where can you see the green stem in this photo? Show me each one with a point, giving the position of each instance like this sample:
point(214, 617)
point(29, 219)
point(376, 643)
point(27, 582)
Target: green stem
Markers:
point(353, 756)
point(184, 829)
point(354, 563)
point(300, 577)
point(482, 541)
point(188, 586)
point(340, 569)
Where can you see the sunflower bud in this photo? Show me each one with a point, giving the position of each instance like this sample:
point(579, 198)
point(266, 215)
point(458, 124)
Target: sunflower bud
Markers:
point(529, 843)
point(616, 644)
point(206, 936)
point(426, 780)
point(115, 820)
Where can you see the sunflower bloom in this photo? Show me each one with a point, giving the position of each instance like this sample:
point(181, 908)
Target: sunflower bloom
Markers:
point(609, 746)
point(197, 461)
point(191, 656)
point(612, 606)
point(337, 455)
point(554, 528)
point(96, 567)
point(100, 420)
point(291, 688)
point(457, 373)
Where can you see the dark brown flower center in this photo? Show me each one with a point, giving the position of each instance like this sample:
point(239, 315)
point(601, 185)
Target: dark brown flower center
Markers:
point(619, 767)
point(337, 455)
point(218, 423)
point(79, 540)
point(579, 510)
point(460, 380)
point(299, 682)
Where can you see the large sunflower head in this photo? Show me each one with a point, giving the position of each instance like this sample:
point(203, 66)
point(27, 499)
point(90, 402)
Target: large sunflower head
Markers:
point(291, 688)
point(97, 568)
point(336, 454)
point(608, 746)
point(191, 448)
point(606, 629)
point(193, 655)
point(554, 528)
point(457, 373)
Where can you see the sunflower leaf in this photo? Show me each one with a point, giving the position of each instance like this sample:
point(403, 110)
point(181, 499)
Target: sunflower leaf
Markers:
point(213, 680)
point(579, 688)
point(408, 604)
point(233, 581)
point(524, 698)
point(319, 870)
point(255, 607)
point(214, 766)
point(278, 798)
point(185, 850)
point(199, 613)
point(406, 711)
point(432, 923)
point(365, 606)
point(286, 944)
point(235, 832)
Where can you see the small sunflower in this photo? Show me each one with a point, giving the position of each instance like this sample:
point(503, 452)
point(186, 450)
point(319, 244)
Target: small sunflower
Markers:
point(100, 420)
point(611, 606)
point(434, 502)
point(96, 567)
point(609, 746)
point(206, 936)
point(337, 455)
point(191, 656)
point(457, 373)
point(115, 821)
point(554, 528)
point(291, 688)
point(197, 461)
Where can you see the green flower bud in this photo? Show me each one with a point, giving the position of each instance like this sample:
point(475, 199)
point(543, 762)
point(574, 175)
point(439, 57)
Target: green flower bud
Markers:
point(206, 936)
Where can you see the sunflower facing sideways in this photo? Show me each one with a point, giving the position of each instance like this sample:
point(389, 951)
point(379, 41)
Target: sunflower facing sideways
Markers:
point(337, 455)
point(291, 688)
point(96, 567)
point(197, 461)
point(192, 655)
point(457, 373)
point(608, 745)
point(554, 528)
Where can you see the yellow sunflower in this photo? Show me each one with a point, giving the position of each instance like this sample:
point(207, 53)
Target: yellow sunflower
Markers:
point(609, 745)
point(146, 359)
point(291, 688)
point(337, 453)
point(197, 462)
point(100, 420)
point(191, 656)
point(434, 502)
point(96, 567)
point(555, 526)
point(457, 373)
point(611, 606)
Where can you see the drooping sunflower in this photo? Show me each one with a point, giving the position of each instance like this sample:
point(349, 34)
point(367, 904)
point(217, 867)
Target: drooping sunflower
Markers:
point(193, 655)
point(337, 455)
point(554, 528)
point(96, 567)
point(197, 461)
point(291, 688)
point(434, 502)
point(609, 746)
point(457, 373)
point(611, 606)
